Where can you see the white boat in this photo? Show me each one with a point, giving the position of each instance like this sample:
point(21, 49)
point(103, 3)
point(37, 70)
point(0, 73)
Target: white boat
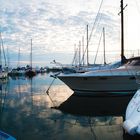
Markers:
point(3, 75)
point(3, 67)
point(109, 80)
point(115, 64)
point(117, 80)
point(132, 117)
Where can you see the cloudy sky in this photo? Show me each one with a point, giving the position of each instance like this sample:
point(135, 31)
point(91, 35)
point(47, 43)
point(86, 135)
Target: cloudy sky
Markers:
point(57, 26)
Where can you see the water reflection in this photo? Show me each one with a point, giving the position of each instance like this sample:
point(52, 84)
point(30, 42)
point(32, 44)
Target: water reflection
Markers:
point(3, 93)
point(96, 106)
point(28, 113)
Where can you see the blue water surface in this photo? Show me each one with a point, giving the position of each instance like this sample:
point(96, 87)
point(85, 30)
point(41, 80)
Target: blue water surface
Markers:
point(27, 112)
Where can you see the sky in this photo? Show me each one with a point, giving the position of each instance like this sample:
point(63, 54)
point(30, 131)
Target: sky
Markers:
point(58, 27)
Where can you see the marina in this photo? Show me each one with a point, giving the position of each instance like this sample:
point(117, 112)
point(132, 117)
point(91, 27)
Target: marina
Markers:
point(52, 88)
point(28, 112)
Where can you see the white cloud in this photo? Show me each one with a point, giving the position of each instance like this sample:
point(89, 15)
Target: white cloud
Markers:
point(56, 25)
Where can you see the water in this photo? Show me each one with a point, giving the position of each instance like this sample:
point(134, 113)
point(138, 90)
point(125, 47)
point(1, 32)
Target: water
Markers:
point(27, 112)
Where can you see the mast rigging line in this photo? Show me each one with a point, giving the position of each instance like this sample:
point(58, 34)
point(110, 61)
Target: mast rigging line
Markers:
point(75, 57)
point(2, 48)
point(95, 20)
point(82, 60)
point(98, 47)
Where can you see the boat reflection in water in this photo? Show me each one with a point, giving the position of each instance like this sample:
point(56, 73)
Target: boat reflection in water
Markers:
point(28, 113)
point(96, 106)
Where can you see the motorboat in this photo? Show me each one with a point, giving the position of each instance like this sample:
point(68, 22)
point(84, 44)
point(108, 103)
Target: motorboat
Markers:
point(114, 80)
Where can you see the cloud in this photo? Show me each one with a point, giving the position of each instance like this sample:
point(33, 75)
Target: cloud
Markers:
point(55, 26)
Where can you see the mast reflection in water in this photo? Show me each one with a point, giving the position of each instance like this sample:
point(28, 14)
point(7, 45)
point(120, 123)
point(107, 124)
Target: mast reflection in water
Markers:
point(27, 112)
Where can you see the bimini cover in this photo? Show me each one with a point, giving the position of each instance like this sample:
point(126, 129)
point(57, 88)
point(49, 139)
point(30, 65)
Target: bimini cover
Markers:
point(5, 136)
point(132, 117)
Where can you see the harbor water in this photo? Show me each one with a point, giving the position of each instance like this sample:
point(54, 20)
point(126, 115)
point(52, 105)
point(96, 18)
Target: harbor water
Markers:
point(28, 112)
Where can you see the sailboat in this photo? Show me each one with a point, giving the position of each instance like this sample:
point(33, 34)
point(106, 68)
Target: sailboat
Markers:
point(121, 80)
point(29, 71)
point(19, 71)
point(3, 69)
point(81, 68)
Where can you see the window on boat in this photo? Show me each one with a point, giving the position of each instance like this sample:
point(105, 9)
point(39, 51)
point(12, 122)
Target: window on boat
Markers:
point(133, 63)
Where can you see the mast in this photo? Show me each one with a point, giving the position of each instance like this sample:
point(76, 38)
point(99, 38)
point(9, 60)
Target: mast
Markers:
point(18, 65)
point(0, 50)
point(31, 55)
point(104, 44)
point(83, 50)
point(79, 54)
point(87, 47)
point(122, 32)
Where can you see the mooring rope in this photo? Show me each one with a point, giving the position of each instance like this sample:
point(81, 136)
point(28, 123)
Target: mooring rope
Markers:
point(54, 78)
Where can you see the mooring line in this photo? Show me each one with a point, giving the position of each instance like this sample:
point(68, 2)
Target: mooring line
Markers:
point(55, 77)
point(48, 92)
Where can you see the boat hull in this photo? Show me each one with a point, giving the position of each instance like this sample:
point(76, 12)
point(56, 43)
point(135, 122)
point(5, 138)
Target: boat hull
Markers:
point(101, 84)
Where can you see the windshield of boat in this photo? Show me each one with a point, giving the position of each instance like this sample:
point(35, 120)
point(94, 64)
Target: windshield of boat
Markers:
point(133, 62)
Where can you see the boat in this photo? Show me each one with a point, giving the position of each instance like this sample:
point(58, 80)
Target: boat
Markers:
point(94, 67)
point(106, 81)
point(132, 116)
point(5, 136)
point(3, 67)
point(3, 74)
point(18, 71)
point(30, 72)
point(116, 80)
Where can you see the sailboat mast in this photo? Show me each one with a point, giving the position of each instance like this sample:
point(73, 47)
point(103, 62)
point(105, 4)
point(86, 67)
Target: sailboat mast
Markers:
point(87, 47)
point(104, 44)
point(0, 50)
point(18, 65)
point(31, 54)
point(122, 32)
point(83, 50)
point(79, 54)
